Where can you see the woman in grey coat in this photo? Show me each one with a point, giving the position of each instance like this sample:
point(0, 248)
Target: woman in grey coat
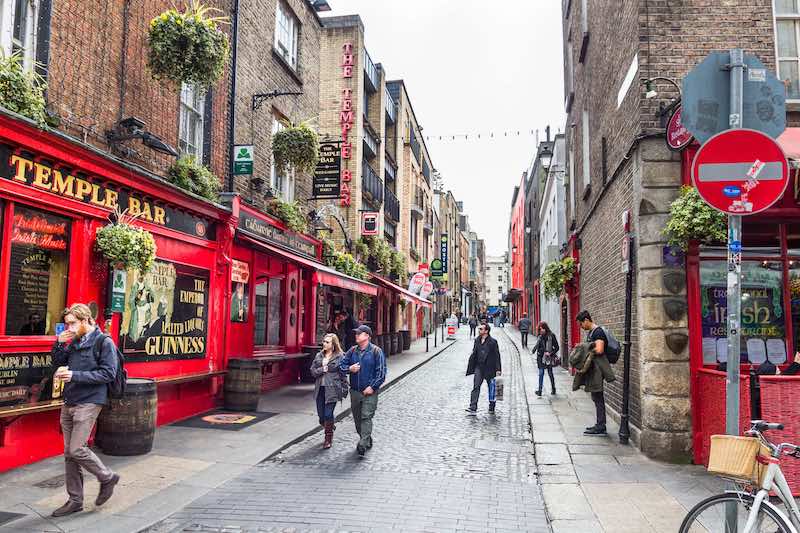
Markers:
point(328, 388)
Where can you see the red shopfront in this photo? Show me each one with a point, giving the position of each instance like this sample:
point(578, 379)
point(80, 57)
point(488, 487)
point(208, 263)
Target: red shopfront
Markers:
point(54, 195)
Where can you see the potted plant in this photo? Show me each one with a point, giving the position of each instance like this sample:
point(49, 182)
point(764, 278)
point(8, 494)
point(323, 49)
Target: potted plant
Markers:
point(188, 47)
point(22, 90)
point(197, 179)
point(556, 275)
point(692, 219)
point(290, 213)
point(296, 145)
point(126, 246)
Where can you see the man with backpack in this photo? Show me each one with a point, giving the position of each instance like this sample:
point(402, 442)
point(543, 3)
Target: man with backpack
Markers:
point(88, 364)
point(605, 346)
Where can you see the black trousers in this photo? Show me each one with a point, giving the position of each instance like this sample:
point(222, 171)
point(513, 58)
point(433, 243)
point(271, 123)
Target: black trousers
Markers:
point(524, 335)
point(600, 408)
point(472, 331)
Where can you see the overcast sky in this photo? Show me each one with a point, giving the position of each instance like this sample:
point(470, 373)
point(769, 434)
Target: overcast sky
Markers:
point(473, 67)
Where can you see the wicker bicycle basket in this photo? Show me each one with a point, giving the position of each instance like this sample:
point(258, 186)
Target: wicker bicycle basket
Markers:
point(735, 458)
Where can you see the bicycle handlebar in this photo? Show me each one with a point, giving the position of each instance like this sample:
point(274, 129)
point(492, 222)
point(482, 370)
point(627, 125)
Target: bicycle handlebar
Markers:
point(760, 425)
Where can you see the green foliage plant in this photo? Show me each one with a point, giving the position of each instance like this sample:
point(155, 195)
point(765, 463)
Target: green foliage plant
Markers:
point(290, 213)
point(22, 90)
point(122, 243)
point(297, 146)
point(556, 275)
point(191, 176)
point(692, 219)
point(188, 47)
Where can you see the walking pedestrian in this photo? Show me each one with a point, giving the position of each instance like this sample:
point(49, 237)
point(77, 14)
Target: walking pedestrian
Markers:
point(86, 362)
point(366, 364)
point(524, 326)
point(597, 336)
point(546, 351)
point(484, 364)
point(503, 317)
point(328, 387)
point(473, 325)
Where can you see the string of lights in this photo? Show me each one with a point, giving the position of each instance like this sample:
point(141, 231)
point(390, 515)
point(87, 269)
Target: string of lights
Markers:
point(444, 137)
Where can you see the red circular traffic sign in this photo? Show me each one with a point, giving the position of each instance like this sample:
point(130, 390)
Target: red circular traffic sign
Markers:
point(740, 172)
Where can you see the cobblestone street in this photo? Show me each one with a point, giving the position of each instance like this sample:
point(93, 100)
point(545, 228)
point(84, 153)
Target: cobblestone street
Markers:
point(432, 468)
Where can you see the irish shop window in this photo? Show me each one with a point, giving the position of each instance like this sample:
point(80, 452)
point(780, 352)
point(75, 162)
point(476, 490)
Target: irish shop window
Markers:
point(787, 27)
point(39, 264)
point(282, 184)
point(763, 320)
point(268, 312)
point(191, 121)
point(286, 33)
point(18, 28)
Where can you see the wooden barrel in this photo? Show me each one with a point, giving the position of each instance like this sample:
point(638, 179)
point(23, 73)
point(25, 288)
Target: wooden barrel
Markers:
point(243, 384)
point(406, 336)
point(127, 426)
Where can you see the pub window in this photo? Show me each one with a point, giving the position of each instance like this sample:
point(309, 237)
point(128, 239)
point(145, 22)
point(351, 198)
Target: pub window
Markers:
point(268, 312)
point(18, 28)
point(281, 183)
point(191, 121)
point(37, 280)
point(286, 33)
point(787, 28)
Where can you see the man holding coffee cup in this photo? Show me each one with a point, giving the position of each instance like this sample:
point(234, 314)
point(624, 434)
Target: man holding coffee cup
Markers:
point(86, 378)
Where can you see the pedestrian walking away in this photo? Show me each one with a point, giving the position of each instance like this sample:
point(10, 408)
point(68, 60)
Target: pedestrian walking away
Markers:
point(86, 362)
point(330, 385)
point(546, 351)
point(484, 364)
point(524, 326)
point(366, 364)
point(473, 325)
point(597, 369)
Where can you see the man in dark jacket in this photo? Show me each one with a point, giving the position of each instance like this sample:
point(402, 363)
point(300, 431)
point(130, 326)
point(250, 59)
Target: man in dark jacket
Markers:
point(86, 377)
point(596, 335)
point(366, 364)
point(524, 326)
point(484, 364)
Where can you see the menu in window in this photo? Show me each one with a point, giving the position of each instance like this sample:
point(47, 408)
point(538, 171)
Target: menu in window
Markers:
point(23, 377)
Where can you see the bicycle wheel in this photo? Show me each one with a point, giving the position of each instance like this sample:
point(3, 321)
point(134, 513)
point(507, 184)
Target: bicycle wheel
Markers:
point(708, 516)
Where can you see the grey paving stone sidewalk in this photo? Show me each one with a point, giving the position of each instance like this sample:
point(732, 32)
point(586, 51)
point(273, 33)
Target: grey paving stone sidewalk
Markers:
point(432, 467)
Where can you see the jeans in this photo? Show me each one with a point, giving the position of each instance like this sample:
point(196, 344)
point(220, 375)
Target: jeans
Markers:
point(549, 373)
point(524, 335)
point(600, 408)
point(324, 410)
point(478, 380)
point(364, 408)
point(76, 424)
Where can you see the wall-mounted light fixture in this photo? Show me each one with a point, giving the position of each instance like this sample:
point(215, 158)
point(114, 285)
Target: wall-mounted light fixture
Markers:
point(134, 128)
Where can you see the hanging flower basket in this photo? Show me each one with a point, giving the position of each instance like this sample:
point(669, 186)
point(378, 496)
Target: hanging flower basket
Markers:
point(297, 146)
point(556, 275)
point(188, 47)
point(125, 245)
point(692, 219)
point(22, 90)
point(290, 213)
point(190, 176)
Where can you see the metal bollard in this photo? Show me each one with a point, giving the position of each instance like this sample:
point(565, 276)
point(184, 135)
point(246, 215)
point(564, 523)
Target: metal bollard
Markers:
point(427, 339)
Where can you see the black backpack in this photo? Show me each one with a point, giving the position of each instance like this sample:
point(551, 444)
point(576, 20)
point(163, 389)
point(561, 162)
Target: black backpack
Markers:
point(612, 349)
point(116, 389)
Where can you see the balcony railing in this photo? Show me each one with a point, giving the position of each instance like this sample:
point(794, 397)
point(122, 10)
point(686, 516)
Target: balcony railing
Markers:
point(371, 140)
point(427, 225)
point(391, 207)
point(415, 148)
point(391, 110)
point(371, 185)
point(371, 71)
point(426, 171)
point(418, 204)
point(390, 171)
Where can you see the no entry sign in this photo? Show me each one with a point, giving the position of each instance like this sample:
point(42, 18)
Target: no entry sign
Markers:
point(740, 172)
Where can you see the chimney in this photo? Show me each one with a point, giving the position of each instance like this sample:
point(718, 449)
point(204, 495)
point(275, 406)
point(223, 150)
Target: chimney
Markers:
point(547, 130)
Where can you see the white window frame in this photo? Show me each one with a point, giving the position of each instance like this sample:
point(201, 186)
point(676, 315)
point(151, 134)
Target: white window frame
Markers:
point(192, 113)
point(572, 176)
point(586, 154)
point(286, 34)
point(778, 58)
point(26, 39)
point(282, 185)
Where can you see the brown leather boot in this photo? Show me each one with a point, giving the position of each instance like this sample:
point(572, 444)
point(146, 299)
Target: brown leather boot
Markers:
point(328, 435)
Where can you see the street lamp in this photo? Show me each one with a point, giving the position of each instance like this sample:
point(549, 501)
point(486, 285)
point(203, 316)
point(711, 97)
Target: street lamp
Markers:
point(546, 157)
point(649, 85)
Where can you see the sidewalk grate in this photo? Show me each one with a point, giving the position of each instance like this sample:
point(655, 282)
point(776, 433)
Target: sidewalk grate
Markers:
point(5, 517)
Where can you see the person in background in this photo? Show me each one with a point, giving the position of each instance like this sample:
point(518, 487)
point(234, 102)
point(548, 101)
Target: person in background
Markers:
point(794, 368)
point(546, 351)
point(86, 372)
point(35, 325)
point(328, 386)
point(473, 324)
point(524, 326)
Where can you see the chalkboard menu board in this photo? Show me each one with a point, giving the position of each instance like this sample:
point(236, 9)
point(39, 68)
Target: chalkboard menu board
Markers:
point(22, 377)
point(322, 314)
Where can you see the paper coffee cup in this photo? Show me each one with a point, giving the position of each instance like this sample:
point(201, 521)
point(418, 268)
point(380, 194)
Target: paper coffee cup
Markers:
point(58, 383)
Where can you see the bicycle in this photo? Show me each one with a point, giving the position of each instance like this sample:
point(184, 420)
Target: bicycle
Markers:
point(748, 509)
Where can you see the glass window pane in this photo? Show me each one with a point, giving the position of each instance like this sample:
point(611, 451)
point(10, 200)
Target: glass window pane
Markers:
point(275, 311)
point(794, 295)
point(785, 7)
point(763, 314)
point(260, 314)
point(787, 41)
point(37, 286)
point(760, 239)
point(788, 72)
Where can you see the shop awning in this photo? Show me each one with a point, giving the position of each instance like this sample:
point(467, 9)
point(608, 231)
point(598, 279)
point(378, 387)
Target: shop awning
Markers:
point(325, 274)
point(404, 294)
point(789, 142)
point(512, 295)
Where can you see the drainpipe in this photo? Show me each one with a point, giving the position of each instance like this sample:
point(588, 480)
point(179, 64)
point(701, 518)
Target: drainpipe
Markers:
point(624, 428)
point(232, 98)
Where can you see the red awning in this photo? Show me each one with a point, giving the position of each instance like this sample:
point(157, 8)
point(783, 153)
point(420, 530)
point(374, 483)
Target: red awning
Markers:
point(326, 275)
point(789, 141)
point(404, 294)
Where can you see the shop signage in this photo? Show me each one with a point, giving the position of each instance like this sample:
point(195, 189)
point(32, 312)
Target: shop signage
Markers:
point(240, 271)
point(423, 267)
point(119, 282)
point(427, 289)
point(243, 159)
point(369, 223)
point(327, 175)
point(23, 377)
point(35, 230)
point(165, 315)
point(346, 122)
point(443, 252)
point(260, 229)
point(436, 269)
point(740, 172)
point(678, 137)
point(416, 282)
point(240, 290)
point(67, 182)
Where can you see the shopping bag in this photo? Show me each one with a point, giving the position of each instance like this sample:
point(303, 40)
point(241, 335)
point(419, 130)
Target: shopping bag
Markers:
point(498, 383)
